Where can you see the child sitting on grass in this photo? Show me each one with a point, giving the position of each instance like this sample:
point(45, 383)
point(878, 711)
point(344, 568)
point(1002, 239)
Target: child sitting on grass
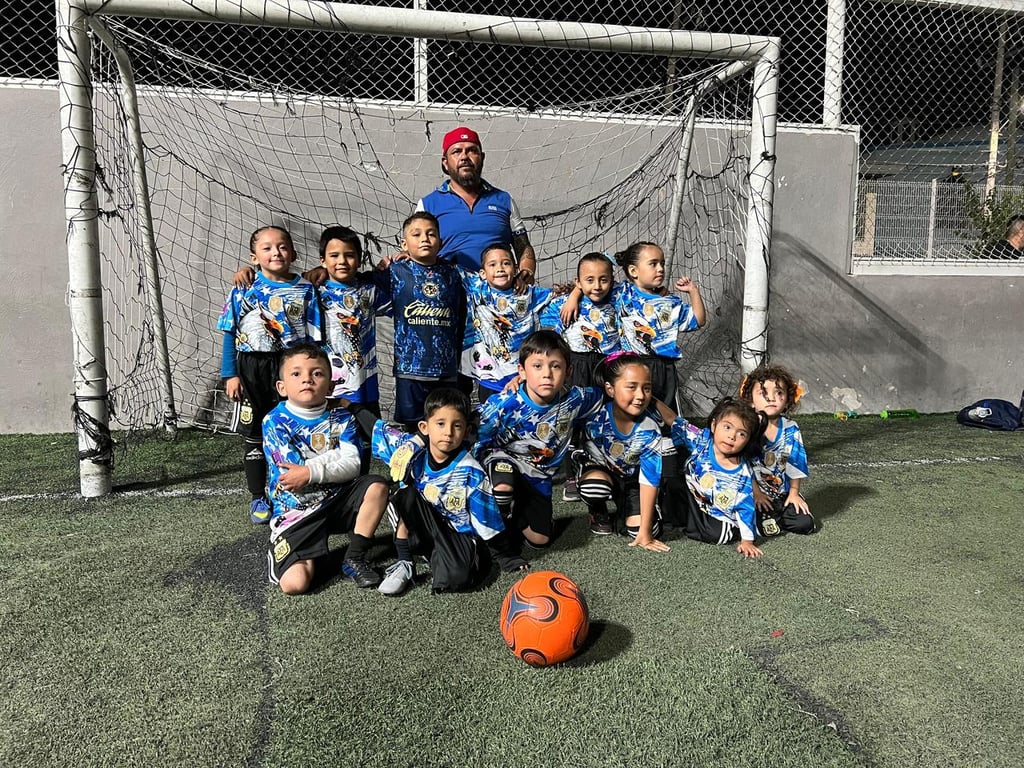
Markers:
point(314, 483)
point(780, 464)
point(524, 434)
point(444, 506)
point(720, 498)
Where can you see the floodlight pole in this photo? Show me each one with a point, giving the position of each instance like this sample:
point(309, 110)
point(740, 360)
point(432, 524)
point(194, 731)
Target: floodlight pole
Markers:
point(85, 296)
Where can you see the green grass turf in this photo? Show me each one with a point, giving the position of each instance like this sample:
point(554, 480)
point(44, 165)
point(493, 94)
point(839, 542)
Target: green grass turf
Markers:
point(137, 629)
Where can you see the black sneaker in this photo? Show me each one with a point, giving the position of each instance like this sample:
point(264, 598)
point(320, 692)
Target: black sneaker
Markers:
point(601, 525)
point(362, 574)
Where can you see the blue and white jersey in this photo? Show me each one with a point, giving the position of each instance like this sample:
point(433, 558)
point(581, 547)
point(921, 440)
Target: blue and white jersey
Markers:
point(531, 436)
point(269, 316)
point(725, 494)
point(349, 313)
point(460, 491)
point(428, 306)
point(781, 460)
point(465, 232)
point(497, 324)
point(288, 437)
point(650, 324)
point(596, 329)
point(625, 454)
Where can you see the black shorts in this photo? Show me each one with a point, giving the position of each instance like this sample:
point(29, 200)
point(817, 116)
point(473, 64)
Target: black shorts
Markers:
point(307, 540)
point(530, 507)
point(411, 394)
point(581, 374)
point(663, 379)
point(625, 490)
point(259, 372)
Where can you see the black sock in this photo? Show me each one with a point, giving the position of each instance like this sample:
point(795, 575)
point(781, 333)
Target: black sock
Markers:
point(255, 468)
point(403, 550)
point(357, 547)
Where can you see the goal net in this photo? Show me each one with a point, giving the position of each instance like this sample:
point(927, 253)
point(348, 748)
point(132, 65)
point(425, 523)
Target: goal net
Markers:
point(244, 126)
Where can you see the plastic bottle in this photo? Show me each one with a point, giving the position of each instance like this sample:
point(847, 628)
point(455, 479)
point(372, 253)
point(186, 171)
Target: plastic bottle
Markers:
point(899, 413)
point(845, 415)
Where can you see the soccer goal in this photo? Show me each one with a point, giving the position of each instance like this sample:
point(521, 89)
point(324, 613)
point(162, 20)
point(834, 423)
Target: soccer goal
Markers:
point(186, 124)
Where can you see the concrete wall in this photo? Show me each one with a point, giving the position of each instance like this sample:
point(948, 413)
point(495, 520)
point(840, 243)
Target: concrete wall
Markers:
point(859, 342)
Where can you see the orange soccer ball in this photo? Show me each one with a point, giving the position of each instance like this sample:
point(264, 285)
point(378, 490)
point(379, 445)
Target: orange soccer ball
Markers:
point(544, 618)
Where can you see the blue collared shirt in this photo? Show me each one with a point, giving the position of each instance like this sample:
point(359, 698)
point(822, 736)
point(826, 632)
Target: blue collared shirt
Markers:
point(494, 218)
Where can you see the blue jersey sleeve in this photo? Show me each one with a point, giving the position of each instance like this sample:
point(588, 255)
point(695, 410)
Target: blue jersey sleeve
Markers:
point(686, 434)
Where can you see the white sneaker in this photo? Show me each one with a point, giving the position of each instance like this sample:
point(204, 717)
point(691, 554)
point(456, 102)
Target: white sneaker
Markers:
point(397, 578)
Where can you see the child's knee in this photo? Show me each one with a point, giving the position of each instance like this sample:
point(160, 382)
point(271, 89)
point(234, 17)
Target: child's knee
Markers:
point(298, 578)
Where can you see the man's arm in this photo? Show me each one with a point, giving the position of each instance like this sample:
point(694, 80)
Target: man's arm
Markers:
point(527, 260)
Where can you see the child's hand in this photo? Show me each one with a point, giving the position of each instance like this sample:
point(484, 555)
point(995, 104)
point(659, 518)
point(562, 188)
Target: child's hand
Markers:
point(317, 276)
point(385, 261)
point(524, 279)
point(244, 277)
point(512, 385)
point(571, 309)
point(762, 503)
point(561, 289)
point(233, 388)
point(798, 502)
point(293, 476)
point(649, 543)
point(747, 549)
point(685, 285)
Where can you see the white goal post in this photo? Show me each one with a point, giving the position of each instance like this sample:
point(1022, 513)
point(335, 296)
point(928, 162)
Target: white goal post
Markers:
point(80, 21)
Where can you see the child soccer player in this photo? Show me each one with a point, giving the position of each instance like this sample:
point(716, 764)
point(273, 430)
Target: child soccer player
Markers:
point(429, 306)
point(498, 320)
point(780, 464)
point(444, 506)
point(524, 434)
point(622, 454)
point(591, 336)
point(314, 479)
point(278, 311)
point(720, 502)
point(349, 303)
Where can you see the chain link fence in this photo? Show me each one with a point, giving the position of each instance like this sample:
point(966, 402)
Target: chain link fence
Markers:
point(928, 85)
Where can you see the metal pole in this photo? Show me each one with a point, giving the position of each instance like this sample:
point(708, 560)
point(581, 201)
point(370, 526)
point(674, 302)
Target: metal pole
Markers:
point(419, 62)
point(406, 22)
point(931, 218)
point(1011, 127)
point(997, 103)
point(832, 97)
point(85, 298)
point(154, 293)
point(754, 333)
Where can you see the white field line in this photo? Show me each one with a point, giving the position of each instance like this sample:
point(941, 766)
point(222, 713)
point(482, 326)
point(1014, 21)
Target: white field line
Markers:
point(179, 493)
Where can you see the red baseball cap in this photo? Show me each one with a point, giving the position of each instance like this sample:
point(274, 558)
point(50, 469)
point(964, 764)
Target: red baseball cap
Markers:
point(462, 133)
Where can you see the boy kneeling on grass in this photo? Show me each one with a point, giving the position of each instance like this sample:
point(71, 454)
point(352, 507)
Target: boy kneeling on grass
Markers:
point(313, 483)
point(444, 505)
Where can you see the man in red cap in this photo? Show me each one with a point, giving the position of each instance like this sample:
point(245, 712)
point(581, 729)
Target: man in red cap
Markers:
point(472, 213)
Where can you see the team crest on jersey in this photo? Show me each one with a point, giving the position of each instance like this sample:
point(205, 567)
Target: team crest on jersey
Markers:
point(501, 303)
point(665, 316)
point(615, 450)
point(430, 289)
point(349, 302)
point(521, 305)
point(455, 500)
point(318, 441)
point(400, 460)
point(543, 430)
point(562, 425)
point(707, 482)
point(502, 466)
point(431, 493)
point(281, 550)
point(769, 458)
point(595, 315)
point(294, 311)
point(724, 498)
point(650, 310)
point(276, 304)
